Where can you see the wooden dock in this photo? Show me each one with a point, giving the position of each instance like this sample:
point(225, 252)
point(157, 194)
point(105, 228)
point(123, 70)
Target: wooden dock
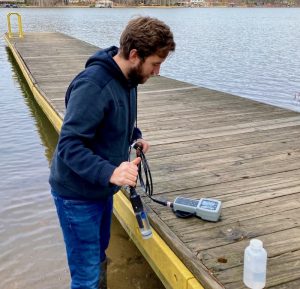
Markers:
point(205, 143)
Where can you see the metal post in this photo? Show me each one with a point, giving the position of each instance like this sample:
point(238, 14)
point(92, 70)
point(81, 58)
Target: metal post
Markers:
point(20, 26)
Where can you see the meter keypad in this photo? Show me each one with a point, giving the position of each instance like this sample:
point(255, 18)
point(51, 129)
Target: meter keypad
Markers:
point(187, 202)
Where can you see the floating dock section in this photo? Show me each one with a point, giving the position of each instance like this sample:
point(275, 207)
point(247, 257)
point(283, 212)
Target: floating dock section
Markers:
point(204, 143)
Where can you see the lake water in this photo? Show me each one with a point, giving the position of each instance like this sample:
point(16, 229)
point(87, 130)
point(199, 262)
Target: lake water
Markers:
point(252, 53)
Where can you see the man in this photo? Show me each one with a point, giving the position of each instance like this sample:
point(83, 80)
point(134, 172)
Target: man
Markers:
point(90, 162)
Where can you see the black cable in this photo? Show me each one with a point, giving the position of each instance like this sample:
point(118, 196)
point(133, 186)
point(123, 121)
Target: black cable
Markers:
point(147, 185)
point(144, 168)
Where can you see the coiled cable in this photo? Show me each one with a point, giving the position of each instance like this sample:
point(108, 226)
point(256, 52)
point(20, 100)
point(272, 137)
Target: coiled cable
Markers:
point(147, 184)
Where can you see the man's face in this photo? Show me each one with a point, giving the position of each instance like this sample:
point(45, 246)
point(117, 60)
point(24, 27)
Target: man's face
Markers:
point(142, 71)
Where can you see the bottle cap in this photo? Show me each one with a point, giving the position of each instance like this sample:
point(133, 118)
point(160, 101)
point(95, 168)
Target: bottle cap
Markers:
point(256, 244)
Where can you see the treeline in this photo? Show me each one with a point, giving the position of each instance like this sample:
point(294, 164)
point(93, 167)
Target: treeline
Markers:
point(250, 3)
point(46, 3)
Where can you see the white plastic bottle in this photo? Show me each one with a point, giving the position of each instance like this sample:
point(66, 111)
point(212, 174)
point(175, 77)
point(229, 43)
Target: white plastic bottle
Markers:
point(255, 265)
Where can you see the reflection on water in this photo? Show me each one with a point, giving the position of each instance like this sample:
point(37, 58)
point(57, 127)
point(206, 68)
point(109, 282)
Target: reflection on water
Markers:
point(32, 253)
point(46, 131)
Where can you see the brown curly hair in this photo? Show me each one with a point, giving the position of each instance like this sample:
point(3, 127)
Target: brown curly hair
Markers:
point(148, 36)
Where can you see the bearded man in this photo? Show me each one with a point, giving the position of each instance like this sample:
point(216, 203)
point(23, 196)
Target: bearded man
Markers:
point(90, 162)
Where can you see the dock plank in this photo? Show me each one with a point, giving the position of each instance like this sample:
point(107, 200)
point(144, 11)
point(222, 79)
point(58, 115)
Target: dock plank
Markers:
point(204, 143)
point(282, 267)
point(241, 229)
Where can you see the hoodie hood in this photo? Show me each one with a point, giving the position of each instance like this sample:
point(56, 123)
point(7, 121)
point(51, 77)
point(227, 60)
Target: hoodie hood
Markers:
point(104, 58)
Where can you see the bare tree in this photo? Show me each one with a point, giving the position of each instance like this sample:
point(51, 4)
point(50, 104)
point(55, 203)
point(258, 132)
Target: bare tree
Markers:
point(45, 3)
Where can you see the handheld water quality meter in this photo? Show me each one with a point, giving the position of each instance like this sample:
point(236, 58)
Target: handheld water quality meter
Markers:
point(205, 208)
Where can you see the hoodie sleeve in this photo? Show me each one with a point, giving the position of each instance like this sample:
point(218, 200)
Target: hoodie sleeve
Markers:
point(85, 110)
point(137, 134)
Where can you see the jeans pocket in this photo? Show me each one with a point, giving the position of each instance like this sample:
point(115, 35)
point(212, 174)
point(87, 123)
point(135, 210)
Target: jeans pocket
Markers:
point(83, 218)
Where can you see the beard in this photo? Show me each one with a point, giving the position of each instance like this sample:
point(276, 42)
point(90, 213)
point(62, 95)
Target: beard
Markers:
point(136, 75)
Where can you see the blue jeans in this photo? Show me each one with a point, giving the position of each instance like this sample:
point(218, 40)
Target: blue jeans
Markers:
point(86, 230)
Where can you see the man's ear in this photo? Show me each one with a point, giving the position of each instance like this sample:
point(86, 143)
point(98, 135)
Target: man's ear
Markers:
point(133, 56)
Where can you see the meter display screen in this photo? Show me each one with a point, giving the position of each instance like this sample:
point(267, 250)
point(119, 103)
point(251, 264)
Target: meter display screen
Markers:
point(209, 205)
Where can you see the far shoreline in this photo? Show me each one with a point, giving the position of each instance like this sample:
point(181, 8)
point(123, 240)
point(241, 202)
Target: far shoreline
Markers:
point(154, 6)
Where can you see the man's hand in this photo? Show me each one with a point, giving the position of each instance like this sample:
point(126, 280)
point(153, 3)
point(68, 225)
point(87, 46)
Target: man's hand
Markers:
point(145, 145)
point(126, 173)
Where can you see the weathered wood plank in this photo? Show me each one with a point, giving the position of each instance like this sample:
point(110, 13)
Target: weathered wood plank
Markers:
point(214, 143)
point(204, 174)
point(277, 244)
point(237, 153)
point(288, 285)
point(281, 270)
point(241, 229)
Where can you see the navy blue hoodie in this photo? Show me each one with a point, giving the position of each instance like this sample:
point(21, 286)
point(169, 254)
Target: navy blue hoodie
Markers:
point(97, 130)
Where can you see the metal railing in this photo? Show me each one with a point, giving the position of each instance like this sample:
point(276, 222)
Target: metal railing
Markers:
point(10, 34)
